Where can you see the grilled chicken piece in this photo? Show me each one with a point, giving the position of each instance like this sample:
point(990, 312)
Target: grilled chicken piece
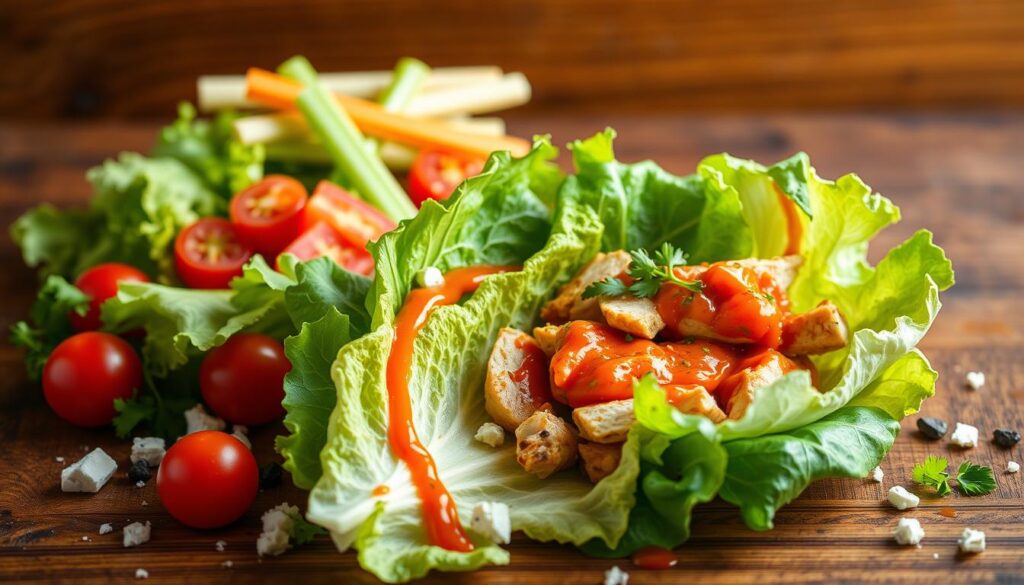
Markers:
point(549, 338)
point(570, 304)
point(545, 444)
point(507, 395)
point(607, 422)
point(638, 317)
point(600, 460)
point(817, 331)
point(782, 269)
point(695, 400)
point(751, 379)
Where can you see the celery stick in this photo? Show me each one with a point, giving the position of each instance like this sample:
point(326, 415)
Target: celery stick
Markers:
point(346, 144)
point(408, 79)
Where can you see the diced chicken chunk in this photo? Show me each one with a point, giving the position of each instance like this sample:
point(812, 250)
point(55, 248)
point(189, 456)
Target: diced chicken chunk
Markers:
point(782, 269)
point(507, 399)
point(549, 338)
point(600, 460)
point(545, 444)
point(817, 331)
point(632, 315)
point(607, 422)
point(696, 400)
point(570, 304)
point(750, 380)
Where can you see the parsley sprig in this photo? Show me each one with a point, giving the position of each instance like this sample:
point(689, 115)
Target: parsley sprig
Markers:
point(971, 479)
point(648, 274)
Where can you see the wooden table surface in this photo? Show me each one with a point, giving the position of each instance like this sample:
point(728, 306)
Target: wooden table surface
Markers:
point(961, 176)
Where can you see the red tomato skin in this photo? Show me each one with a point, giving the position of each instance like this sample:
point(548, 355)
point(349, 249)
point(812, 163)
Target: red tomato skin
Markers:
point(85, 373)
point(354, 220)
point(242, 381)
point(427, 179)
point(269, 236)
point(198, 275)
point(100, 283)
point(323, 240)
point(207, 479)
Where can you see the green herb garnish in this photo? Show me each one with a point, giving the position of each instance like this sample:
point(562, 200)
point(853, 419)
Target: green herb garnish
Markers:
point(647, 273)
point(971, 479)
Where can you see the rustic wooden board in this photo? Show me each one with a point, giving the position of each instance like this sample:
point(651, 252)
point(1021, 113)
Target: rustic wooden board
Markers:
point(960, 176)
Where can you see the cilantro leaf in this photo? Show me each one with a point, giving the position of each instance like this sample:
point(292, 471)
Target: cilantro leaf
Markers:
point(975, 480)
point(647, 274)
point(933, 473)
point(609, 287)
point(304, 531)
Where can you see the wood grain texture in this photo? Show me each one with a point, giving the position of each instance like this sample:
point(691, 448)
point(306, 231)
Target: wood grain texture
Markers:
point(130, 58)
point(957, 175)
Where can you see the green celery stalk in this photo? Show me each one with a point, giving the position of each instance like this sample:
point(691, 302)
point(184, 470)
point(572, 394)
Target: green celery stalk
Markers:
point(405, 84)
point(346, 144)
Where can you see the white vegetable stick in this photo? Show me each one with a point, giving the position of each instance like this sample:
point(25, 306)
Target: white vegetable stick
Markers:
point(289, 127)
point(216, 92)
point(480, 97)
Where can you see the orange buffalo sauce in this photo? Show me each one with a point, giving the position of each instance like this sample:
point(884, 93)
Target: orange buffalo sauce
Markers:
point(532, 373)
point(735, 303)
point(758, 357)
point(794, 229)
point(655, 557)
point(596, 363)
point(440, 514)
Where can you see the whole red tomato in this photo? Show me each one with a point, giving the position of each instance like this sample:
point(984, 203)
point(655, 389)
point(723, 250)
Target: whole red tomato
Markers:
point(99, 283)
point(207, 479)
point(243, 380)
point(85, 373)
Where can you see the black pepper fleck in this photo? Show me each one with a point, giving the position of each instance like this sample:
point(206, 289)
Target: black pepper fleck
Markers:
point(270, 476)
point(932, 428)
point(1005, 438)
point(139, 471)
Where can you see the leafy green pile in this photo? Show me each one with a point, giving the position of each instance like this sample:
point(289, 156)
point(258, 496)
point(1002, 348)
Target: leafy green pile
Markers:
point(791, 435)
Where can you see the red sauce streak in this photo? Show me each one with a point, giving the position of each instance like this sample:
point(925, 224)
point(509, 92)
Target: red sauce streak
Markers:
point(444, 529)
point(381, 490)
point(759, 357)
point(655, 557)
point(948, 512)
point(532, 373)
point(794, 229)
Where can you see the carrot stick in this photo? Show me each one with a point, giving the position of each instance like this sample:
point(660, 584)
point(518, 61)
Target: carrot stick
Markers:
point(276, 91)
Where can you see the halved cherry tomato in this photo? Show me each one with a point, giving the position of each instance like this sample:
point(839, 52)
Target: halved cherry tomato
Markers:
point(268, 215)
point(322, 240)
point(356, 221)
point(99, 283)
point(435, 174)
point(243, 380)
point(86, 373)
point(208, 254)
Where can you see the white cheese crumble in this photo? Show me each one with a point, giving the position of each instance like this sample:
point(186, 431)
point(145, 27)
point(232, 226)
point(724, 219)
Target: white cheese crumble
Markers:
point(106, 528)
point(141, 574)
point(491, 521)
point(85, 539)
point(148, 449)
point(278, 523)
point(616, 576)
point(974, 380)
point(59, 459)
point(935, 556)
point(140, 484)
point(136, 533)
point(240, 432)
point(877, 474)
point(197, 420)
point(89, 473)
point(227, 564)
point(972, 541)
point(1012, 467)
point(908, 531)
point(429, 277)
point(490, 434)
point(901, 499)
point(964, 436)
point(220, 545)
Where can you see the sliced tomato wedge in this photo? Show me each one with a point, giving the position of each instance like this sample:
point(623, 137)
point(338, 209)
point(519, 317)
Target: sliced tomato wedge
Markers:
point(436, 174)
point(322, 240)
point(356, 221)
point(268, 215)
point(208, 253)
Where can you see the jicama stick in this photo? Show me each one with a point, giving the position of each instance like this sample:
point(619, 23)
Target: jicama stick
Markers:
point(290, 127)
point(218, 92)
point(278, 92)
point(477, 98)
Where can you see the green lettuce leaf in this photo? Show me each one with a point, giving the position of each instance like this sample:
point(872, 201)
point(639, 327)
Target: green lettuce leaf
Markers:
point(48, 323)
point(322, 285)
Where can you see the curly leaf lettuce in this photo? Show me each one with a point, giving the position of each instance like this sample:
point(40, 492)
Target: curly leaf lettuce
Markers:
point(48, 322)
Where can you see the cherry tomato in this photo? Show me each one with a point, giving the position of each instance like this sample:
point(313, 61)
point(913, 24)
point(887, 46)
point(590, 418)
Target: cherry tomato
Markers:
point(243, 380)
point(268, 215)
point(85, 373)
point(356, 221)
point(207, 479)
point(322, 240)
point(208, 253)
point(435, 174)
point(99, 283)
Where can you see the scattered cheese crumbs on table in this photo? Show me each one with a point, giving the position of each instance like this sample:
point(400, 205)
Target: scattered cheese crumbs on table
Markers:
point(220, 545)
point(877, 474)
point(88, 474)
point(148, 449)
point(616, 576)
point(430, 277)
point(491, 520)
point(136, 533)
point(908, 531)
point(145, 503)
point(490, 434)
point(278, 523)
point(106, 528)
point(972, 541)
point(59, 459)
point(141, 574)
point(197, 420)
point(140, 484)
point(240, 432)
point(974, 380)
point(901, 499)
point(935, 556)
point(85, 539)
point(1012, 467)
point(227, 564)
point(964, 436)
